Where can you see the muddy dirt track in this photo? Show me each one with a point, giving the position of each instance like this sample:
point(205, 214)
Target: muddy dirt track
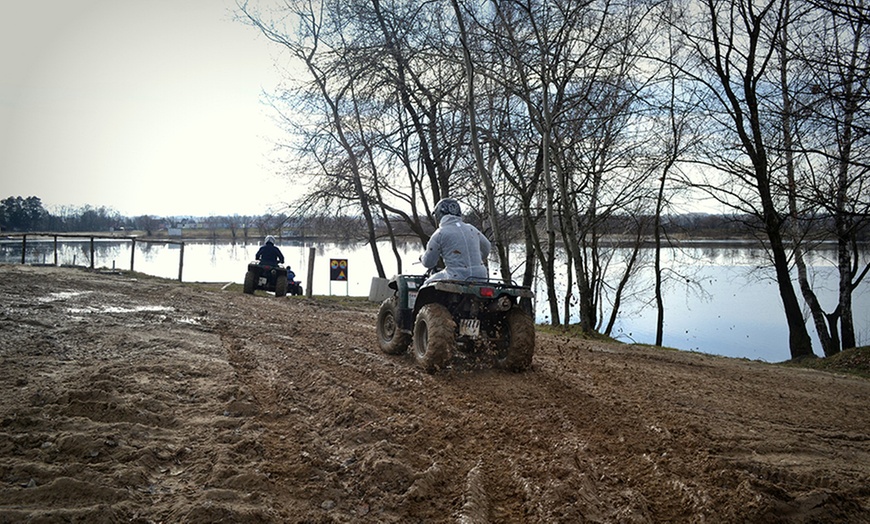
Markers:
point(143, 400)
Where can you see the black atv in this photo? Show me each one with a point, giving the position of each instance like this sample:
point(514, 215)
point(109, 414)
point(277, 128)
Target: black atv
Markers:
point(294, 287)
point(270, 278)
point(450, 314)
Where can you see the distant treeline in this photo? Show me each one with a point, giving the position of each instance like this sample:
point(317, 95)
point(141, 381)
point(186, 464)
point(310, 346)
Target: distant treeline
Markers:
point(21, 215)
point(28, 214)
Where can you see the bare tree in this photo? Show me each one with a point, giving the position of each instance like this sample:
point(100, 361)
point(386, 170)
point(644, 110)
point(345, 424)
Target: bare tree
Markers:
point(733, 44)
point(825, 75)
point(333, 90)
point(233, 222)
point(482, 168)
point(212, 223)
point(602, 173)
point(675, 133)
point(519, 33)
point(147, 223)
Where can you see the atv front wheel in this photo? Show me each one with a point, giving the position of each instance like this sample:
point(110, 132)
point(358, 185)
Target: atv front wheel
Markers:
point(392, 340)
point(250, 282)
point(517, 345)
point(434, 337)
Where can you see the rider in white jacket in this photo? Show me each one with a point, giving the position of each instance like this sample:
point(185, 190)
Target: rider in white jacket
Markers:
point(462, 246)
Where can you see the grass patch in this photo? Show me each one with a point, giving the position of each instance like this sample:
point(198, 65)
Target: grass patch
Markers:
point(334, 301)
point(126, 273)
point(855, 361)
point(573, 331)
point(346, 302)
point(668, 348)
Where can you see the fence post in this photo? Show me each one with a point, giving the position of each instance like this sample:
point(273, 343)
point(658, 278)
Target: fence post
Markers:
point(181, 261)
point(55, 250)
point(92, 253)
point(311, 253)
point(23, 247)
point(132, 253)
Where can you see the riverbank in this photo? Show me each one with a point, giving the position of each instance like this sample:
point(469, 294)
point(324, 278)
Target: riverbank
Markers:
point(146, 400)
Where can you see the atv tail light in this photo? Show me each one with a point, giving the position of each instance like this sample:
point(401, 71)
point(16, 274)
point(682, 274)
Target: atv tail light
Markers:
point(487, 292)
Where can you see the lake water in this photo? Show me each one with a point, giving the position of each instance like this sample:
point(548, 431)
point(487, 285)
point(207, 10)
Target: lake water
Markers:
point(718, 299)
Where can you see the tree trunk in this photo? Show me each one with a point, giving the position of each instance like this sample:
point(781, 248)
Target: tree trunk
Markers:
point(809, 295)
point(626, 276)
point(657, 232)
point(799, 341)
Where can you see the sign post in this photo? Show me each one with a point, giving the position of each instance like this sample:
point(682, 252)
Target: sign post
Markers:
point(338, 273)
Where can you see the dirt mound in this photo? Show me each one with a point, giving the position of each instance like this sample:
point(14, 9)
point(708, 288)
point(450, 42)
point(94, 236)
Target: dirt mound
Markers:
point(145, 400)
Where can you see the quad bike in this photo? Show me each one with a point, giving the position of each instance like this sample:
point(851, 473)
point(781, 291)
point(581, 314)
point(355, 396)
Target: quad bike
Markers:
point(271, 278)
point(444, 315)
point(293, 287)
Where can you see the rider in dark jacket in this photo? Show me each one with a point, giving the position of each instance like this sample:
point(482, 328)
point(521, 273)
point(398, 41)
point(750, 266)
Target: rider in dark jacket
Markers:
point(269, 254)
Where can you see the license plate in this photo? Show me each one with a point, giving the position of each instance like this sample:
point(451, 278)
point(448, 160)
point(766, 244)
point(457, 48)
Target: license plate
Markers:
point(469, 327)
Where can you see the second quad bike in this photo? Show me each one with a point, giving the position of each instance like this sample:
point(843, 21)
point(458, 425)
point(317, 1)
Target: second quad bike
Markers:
point(438, 317)
point(271, 278)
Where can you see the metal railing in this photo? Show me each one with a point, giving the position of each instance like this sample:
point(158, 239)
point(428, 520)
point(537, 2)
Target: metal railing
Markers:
point(132, 239)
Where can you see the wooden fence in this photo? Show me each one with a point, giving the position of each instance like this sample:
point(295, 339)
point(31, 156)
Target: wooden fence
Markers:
point(134, 240)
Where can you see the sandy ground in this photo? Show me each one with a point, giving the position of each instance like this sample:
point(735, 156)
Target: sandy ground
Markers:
point(150, 401)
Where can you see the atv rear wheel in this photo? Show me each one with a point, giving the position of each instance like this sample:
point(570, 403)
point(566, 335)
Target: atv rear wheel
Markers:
point(281, 286)
point(517, 345)
point(250, 282)
point(434, 337)
point(392, 340)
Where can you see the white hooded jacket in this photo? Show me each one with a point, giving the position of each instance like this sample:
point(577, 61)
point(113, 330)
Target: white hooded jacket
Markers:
point(462, 247)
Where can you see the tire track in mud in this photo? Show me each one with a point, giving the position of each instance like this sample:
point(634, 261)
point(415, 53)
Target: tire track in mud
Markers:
point(534, 461)
point(377, 451)
point(120, 415)
point(575, 456)
point(326, 439)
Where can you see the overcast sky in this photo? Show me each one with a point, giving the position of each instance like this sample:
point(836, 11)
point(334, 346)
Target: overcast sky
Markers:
point(144, 106)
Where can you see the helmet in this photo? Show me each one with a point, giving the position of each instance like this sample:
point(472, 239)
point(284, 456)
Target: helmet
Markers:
point(270, 239)
point(447, 206)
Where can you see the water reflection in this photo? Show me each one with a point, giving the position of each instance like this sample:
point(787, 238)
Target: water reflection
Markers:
point(718, 299)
